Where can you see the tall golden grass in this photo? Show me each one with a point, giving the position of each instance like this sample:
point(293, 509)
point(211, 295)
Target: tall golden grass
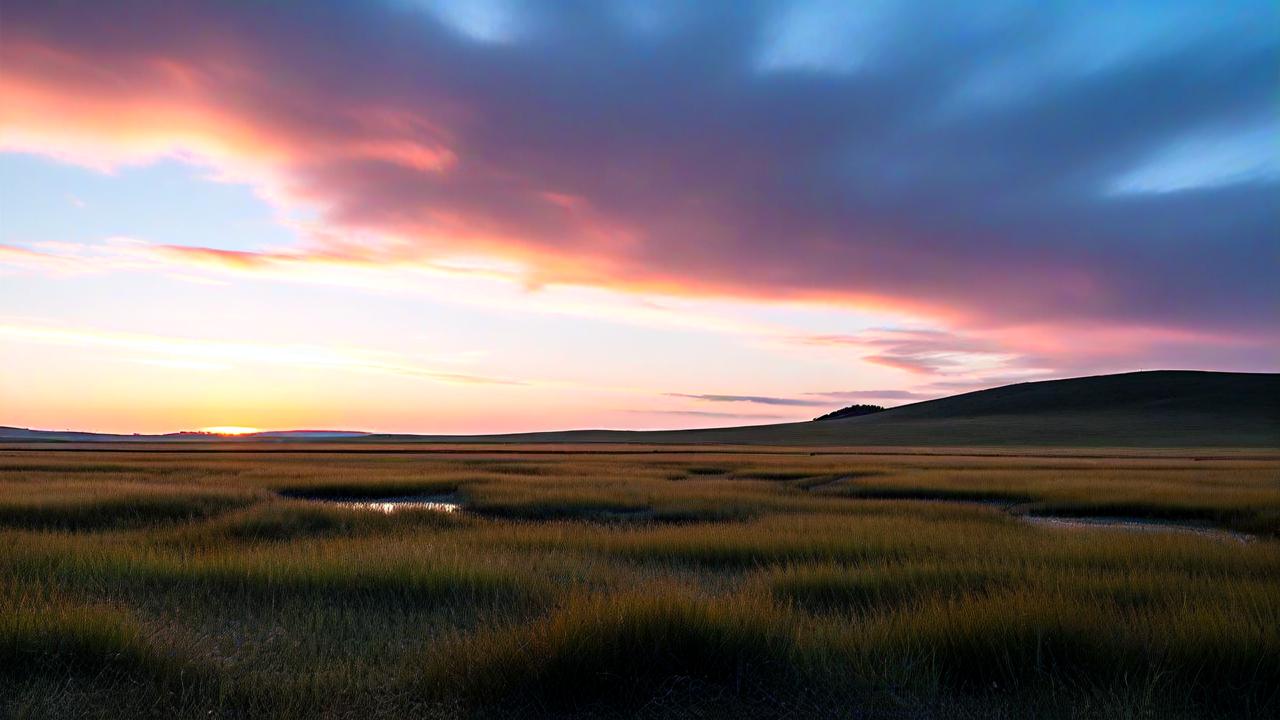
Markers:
point(663, 584)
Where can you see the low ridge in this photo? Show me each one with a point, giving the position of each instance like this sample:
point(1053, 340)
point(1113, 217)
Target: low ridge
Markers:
point(1162, 408)
point(1155, 391)
point(1159, 408)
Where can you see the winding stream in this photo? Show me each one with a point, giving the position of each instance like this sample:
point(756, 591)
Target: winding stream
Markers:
point(1136, 525)
point(1098, 522)
point(451, 503)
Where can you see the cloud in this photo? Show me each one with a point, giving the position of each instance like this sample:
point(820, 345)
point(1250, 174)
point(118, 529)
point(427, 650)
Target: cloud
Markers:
point(953, 387)
point(873, 395)
point(219, 354)
point(911, 364)
point(711, 414)
point(1221, 158)
point(810, 399)
point(29, 259)
point(926, 352)
point(845, 161)
point(753, 399)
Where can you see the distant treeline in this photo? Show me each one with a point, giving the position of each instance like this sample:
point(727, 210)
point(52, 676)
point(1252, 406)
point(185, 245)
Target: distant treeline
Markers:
point(851, 411)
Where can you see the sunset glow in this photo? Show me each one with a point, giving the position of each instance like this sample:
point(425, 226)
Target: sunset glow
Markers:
point(229, 430)
point(434, 225)
point(668, 359)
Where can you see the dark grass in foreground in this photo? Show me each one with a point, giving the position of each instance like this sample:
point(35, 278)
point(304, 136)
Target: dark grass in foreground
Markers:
point(654, 585)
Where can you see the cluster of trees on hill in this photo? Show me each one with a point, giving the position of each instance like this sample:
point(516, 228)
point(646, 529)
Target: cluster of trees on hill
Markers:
point(851, 411)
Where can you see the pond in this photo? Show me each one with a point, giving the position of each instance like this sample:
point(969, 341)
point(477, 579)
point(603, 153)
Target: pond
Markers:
point(388, 505)
point(1136, 525)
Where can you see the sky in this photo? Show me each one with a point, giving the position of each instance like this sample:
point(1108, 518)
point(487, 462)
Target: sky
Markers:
point(506, 215)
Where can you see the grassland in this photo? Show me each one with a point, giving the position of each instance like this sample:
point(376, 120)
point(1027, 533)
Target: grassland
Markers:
point(620, 581)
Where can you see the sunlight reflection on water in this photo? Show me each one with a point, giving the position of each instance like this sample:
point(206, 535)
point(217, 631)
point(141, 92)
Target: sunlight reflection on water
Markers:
point(391, 505)
point(1135, 524)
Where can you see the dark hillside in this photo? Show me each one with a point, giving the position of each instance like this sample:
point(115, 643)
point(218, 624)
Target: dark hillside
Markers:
point(1242, 395)
point(1166, 408)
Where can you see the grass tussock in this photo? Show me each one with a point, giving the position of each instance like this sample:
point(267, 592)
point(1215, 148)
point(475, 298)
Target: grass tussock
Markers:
point(90, 506)
point(375, 569)
point(50, 644)
point(286, 521)
point(371, 489)
point(1032, 639)
point(617, 650)
point(890, 585)
point(619, 582)
point(61, 637)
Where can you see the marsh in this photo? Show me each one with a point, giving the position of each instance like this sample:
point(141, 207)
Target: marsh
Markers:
point(612, 582)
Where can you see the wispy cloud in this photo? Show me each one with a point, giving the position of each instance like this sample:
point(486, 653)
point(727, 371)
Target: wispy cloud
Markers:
point(873, 395)
point(810, 399)
point(22, 258)
point(753, 399)
point(712, 414)
point(182, 352)
point(925, 352)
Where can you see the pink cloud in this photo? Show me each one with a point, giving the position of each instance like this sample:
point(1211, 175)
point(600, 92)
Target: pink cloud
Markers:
point(427, 146)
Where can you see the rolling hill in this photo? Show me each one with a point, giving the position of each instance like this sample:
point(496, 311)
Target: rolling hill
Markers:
point(1163, 408)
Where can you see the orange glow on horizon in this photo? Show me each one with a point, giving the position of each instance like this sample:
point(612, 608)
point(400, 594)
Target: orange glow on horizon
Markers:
point(229, 430)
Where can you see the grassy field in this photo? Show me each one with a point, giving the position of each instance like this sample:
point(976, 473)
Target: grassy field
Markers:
point(636, 581)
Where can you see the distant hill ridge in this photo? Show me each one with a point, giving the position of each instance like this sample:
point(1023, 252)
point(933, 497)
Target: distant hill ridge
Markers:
point(1156, 408)
point(1161, 408)
point(17, 433)
point(1156, 391)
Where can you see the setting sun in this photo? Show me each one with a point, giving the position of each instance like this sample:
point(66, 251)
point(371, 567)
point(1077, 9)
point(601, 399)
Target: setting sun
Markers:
point(229, 430)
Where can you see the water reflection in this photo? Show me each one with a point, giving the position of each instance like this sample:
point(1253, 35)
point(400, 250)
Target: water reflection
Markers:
point(390, 505)
point(1137, 525)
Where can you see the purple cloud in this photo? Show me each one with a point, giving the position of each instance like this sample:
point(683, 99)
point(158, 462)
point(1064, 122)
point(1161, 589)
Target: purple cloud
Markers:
point(753, 399)
point(706, 153)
